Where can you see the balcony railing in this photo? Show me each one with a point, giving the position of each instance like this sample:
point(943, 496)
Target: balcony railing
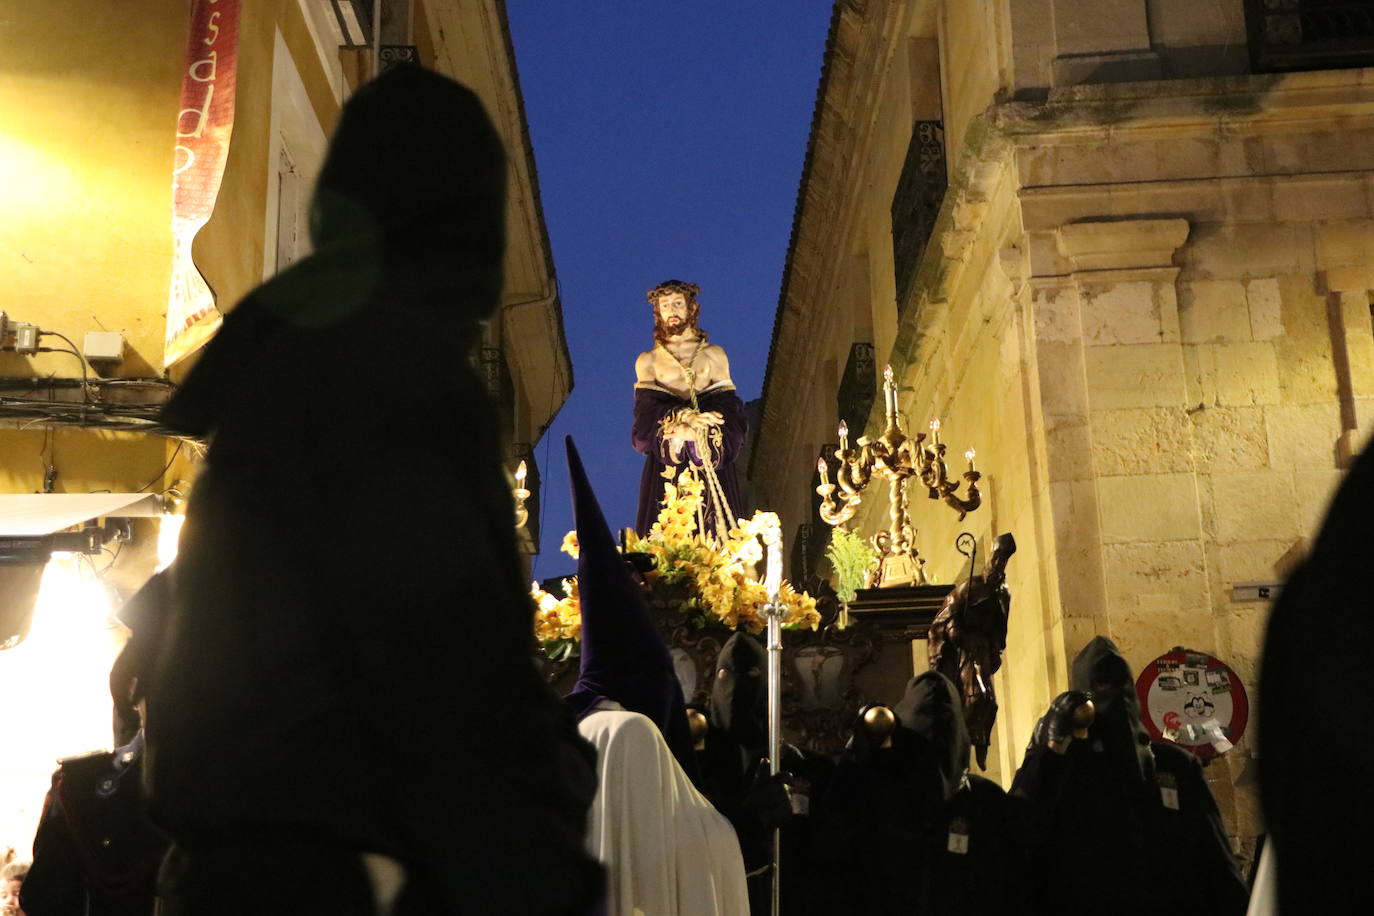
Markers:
point(916, 202)
point(1287, 35)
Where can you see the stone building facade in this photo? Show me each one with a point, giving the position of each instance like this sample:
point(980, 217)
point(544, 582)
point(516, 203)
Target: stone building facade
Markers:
point(1115, 250)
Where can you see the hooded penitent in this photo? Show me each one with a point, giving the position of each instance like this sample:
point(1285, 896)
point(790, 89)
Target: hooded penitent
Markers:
point(407, 219)
point(739, 692)
point(623, 656)
point(347, 649)
point(931, 709)
point(1101, 670)
point(1113, 812)
point(920, 834)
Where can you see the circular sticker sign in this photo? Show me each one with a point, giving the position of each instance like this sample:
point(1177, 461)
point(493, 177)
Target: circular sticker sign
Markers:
point(1194, 700)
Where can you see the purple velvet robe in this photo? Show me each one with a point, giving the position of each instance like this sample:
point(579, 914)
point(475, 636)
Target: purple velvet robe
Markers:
point(652, 405)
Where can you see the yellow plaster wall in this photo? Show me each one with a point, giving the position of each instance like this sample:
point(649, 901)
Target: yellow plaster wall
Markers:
point(85, 189)
point(85, 172)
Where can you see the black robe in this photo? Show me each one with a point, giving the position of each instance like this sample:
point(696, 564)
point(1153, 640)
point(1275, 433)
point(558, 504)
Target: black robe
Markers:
point(347, 650)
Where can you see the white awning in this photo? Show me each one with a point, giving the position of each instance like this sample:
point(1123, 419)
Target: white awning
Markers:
point(44, 513)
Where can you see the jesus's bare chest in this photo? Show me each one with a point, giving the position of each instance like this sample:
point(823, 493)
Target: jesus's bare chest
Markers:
point(673, 364)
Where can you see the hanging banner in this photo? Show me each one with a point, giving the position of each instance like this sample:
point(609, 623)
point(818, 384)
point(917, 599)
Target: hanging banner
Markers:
point(204, 124)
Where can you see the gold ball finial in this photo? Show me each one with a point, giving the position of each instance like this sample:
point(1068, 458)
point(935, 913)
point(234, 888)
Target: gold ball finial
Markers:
point(879, 722)
point(696, 721)
point(1083, 718)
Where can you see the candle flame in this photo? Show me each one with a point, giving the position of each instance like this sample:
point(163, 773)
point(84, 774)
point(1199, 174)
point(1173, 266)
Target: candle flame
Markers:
point(935, 425)
point(887, 374)
point(969, 454)
point(820, 465)
point(520, 473)
point(844, 429)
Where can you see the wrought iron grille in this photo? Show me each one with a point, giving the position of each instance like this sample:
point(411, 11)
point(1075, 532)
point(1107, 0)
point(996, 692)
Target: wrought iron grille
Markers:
point(1309, 34)
point(858, 387)
point(808, 549)
point(916, 202)
point(496, 378)
point(395, 55)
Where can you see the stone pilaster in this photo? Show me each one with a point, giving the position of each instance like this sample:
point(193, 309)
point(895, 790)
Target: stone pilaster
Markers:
point(1127, 528)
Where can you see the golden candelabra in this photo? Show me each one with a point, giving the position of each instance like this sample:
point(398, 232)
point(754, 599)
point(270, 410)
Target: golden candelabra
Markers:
point(896, 457)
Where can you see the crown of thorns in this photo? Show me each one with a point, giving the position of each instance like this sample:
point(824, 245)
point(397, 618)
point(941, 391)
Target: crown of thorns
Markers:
point(668, 287)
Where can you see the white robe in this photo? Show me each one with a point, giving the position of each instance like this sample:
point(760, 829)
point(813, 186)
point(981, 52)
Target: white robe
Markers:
point(667, 850)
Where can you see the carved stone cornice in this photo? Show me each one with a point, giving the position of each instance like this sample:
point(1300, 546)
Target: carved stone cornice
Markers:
point(1122, 244)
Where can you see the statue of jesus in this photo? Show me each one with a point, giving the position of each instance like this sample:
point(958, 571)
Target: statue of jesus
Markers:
point(686, 411)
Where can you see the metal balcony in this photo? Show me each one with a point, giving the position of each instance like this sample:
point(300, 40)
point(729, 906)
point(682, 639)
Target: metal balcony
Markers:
point(1287, 35)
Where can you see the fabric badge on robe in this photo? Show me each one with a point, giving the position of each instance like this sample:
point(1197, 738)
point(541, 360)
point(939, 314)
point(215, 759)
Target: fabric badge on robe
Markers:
point(1168, 790)
point(958, 836)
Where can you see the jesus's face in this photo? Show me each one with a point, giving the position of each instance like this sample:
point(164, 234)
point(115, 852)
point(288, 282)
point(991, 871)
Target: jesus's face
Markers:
point(672, 313)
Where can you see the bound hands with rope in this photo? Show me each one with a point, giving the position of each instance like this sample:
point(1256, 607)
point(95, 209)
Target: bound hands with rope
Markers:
point(692, 426)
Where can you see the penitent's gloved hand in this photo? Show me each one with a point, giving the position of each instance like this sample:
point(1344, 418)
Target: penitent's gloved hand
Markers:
point(1069, 716)
point(768, 798)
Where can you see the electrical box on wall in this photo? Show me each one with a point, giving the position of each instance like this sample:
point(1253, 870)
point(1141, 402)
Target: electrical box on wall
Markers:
point(106, 346)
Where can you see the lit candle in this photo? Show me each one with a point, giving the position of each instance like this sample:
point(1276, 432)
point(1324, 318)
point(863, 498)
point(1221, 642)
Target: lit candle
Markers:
point(772, 579)
point(821, 469)
point(969, 455)
point(520, 475)
point(844, 436)
point(935, 431)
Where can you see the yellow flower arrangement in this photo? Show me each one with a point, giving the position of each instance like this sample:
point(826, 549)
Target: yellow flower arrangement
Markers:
point(712, 582)
point(558, 621)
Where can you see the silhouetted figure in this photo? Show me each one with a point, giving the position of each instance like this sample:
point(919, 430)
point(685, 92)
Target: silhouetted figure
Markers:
point(667, 851)
point(1122, 825)
point(96, 852)
point(1316, 746)
point(735, 776)
point(346, 665)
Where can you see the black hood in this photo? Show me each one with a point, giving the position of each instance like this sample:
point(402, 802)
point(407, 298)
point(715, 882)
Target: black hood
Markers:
point(739, 691)
point(409, 203)
point(408, 226)
point(932, 710)
point(1101, 671)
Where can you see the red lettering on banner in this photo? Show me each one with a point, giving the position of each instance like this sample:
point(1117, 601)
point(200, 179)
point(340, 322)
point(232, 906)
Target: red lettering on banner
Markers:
point(204, 126)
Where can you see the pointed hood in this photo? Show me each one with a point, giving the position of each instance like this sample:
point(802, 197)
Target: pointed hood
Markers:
point(739, 691)
point(1101, 670)
point(623, 656)
point(932, 710)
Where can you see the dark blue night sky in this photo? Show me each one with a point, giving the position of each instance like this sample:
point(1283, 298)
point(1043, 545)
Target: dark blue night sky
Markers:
point(669, 139)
